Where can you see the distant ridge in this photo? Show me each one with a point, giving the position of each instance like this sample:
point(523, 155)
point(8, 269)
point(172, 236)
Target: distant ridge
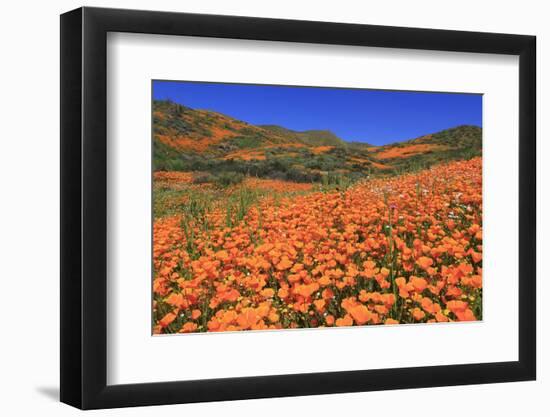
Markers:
point(308, 137)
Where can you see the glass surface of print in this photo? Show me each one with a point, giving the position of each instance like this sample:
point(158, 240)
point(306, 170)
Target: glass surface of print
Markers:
point(281, 207)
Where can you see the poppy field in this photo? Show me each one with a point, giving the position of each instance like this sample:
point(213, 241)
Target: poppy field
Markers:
point(246, 252)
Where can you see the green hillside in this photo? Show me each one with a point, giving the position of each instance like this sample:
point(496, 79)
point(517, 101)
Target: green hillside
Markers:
point(186, 139)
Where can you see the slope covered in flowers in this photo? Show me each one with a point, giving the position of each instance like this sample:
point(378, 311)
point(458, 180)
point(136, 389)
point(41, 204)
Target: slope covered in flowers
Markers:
point(404, 249)
point(192, 140)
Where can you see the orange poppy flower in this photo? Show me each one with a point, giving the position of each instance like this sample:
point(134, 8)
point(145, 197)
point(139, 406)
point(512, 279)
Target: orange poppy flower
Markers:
point(273, 317)
point(282, 293)
point(247, 318)
point(424, 262)
point(360, 314)
point(465, 315)
point(345, 321)
point(284, 264)
point(440, 317)
point(418, 314)
point(320, 305)
point(267, 292)
point(419, 284)
point(188, 327)
point(167, 319)
point(177, 300)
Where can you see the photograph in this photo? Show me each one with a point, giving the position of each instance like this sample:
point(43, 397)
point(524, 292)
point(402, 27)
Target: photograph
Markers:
point(290, 207)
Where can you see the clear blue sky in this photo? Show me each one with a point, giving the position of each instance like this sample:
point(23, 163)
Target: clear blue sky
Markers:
point(374, 116)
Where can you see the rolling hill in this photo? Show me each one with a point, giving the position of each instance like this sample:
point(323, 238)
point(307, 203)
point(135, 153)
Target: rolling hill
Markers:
point(308, 137)
point(187, 139)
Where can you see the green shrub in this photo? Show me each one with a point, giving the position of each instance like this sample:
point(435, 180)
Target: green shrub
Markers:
point(226, 179)
point(203, 177)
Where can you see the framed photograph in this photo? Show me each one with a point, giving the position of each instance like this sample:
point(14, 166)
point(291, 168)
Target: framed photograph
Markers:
point(258, 208)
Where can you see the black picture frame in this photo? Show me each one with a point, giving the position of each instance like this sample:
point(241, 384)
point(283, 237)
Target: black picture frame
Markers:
point(84, 207)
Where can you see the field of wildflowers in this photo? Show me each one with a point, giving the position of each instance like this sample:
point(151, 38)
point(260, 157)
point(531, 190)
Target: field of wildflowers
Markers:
point(272, 254)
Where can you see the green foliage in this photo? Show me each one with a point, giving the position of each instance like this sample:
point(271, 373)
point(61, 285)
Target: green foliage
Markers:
point(321, 138)
point(335, 180)
point(167, 201)
point(203, 178)
point(308, 137)
point(324, 162)
point(243, 142)
point(237, 205)
point(226, 179)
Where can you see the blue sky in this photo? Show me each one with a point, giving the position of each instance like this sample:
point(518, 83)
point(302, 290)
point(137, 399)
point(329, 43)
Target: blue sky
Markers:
point(374, 116)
